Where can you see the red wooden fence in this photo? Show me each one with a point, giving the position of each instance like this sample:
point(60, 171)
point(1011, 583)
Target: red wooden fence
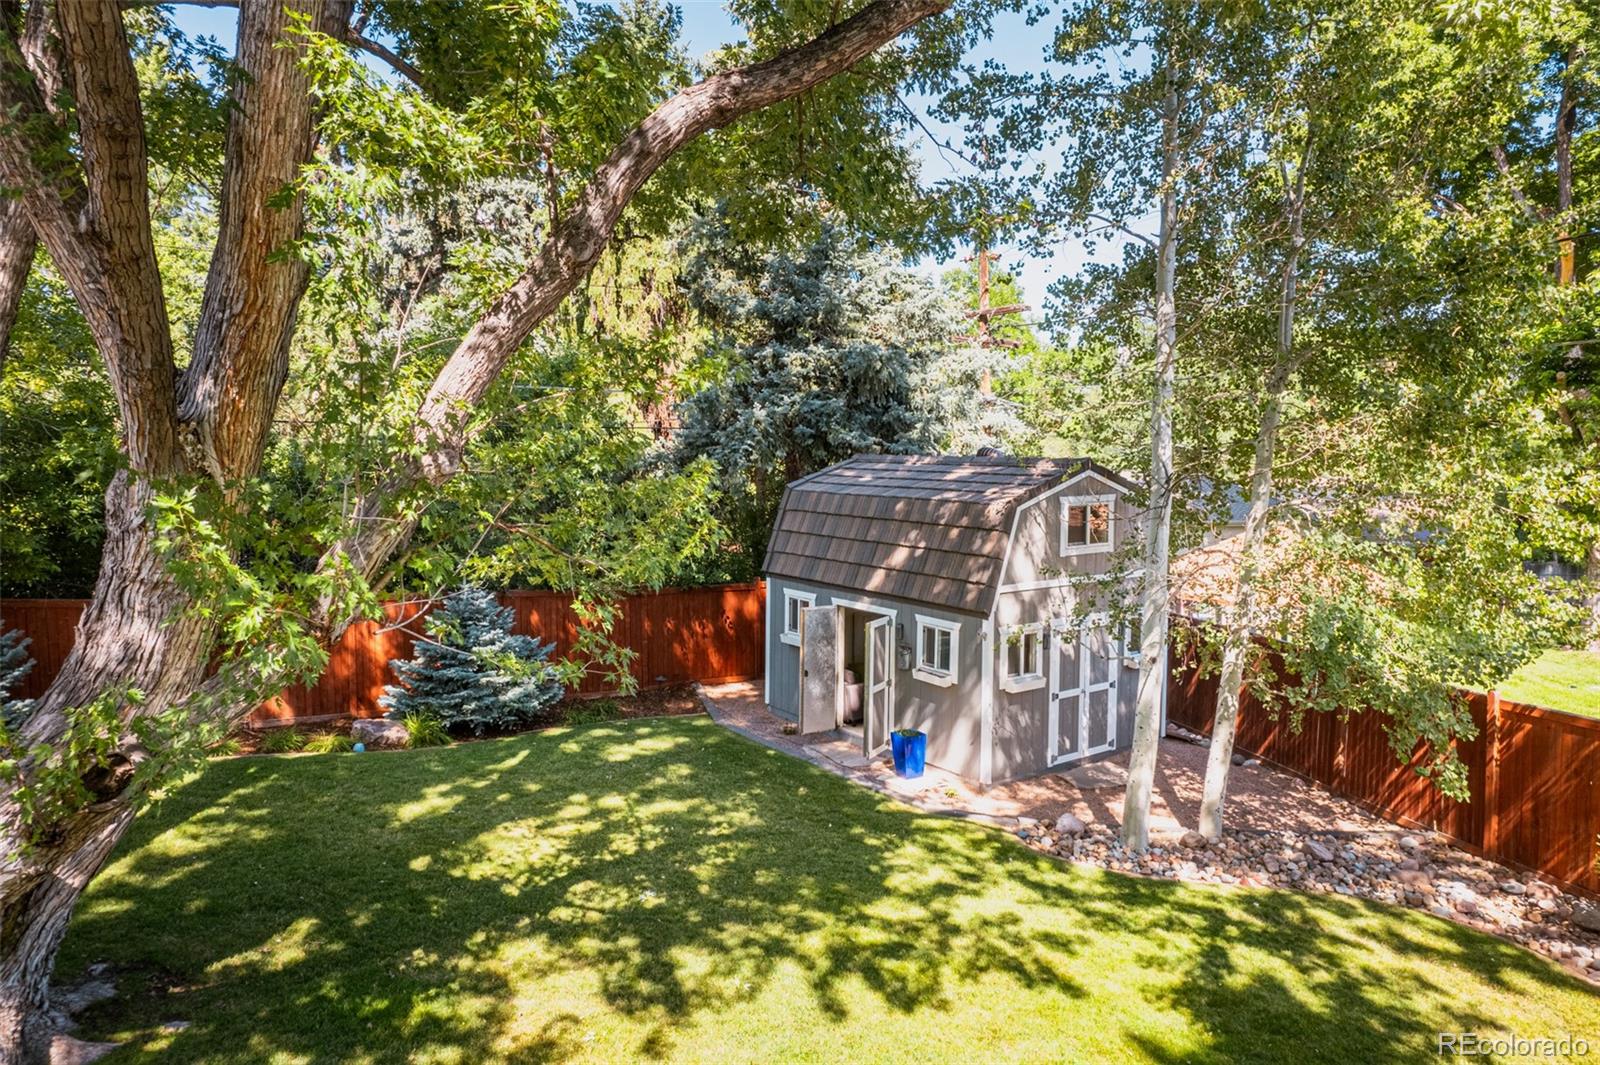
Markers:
point(711, 634)
point(1534, 773)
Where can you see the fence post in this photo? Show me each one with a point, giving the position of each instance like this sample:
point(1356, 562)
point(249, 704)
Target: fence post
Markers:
point(1491, 773)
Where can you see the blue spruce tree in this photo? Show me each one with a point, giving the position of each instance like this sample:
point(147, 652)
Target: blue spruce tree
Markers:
point(15, 663)
point(472, 673)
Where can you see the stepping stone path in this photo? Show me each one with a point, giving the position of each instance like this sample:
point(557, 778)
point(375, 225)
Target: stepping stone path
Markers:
point(1422, 871)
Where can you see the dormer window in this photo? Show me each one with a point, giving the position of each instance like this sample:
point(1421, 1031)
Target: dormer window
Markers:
point(1088, 524)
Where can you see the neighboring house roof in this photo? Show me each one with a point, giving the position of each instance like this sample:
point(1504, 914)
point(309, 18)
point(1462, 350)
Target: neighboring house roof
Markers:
point(927, 528)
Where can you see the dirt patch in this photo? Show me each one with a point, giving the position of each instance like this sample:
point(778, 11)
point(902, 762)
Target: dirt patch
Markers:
point(673, 701)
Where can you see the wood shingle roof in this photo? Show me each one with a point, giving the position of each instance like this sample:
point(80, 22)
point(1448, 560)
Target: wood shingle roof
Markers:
point(926, 528)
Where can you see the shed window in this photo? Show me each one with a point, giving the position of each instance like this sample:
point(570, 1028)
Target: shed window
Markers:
point(1024, 658)
point(1087, 524)
point(793, 603)
point(938, 648)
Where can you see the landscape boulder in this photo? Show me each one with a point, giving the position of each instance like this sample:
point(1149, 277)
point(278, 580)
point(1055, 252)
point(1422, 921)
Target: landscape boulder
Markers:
point(1069, 825)
point(1586, 915)
point(378, 732)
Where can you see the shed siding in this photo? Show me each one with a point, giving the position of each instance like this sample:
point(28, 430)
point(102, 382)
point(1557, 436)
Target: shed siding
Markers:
point(1036, 552)
point(949, 715)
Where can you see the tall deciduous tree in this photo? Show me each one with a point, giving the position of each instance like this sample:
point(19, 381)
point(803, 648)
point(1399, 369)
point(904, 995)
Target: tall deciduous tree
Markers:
point(1142, 93)
point(137, 679)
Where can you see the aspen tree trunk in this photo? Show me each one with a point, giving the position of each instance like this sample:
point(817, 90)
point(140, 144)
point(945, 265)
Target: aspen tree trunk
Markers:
point(1147, 724)
point(1237, 626)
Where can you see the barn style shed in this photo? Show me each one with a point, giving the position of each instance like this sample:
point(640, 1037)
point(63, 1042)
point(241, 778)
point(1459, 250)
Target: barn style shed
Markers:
point(960, 595)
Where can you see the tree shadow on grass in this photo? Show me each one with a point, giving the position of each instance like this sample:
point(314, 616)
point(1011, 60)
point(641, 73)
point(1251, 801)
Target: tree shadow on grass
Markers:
point(509, 899)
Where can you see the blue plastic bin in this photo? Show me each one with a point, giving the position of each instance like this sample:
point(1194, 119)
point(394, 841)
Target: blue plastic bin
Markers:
point(910, 751)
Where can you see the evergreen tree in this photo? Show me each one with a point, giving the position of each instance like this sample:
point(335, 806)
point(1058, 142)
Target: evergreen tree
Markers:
point(826, 349)
point(473, 673)
point(15, 663)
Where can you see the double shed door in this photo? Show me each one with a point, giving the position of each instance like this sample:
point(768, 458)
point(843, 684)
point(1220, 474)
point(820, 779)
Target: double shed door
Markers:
point(1083, 689)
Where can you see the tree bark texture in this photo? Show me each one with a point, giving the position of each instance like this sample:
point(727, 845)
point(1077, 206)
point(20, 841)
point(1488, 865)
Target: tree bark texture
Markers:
point(213, 421)
point(16, 261)
point(1147, 723)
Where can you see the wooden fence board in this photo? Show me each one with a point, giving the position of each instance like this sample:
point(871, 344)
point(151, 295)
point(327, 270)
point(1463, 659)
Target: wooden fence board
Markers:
point(1533, 773)
point(713, 635)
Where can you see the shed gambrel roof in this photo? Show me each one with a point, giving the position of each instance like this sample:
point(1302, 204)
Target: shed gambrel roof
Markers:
point(925, 528)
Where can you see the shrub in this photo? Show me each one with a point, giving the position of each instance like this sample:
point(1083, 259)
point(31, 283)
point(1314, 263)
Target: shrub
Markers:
point(472, 673)
point(283, 740)
point(593, 712)
point(226, 748)
point(424, 731)
point(15, 663)
point(330, 743)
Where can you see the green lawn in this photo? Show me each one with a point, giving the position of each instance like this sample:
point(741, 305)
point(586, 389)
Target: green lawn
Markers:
point(662, 889)
point(1560, 680)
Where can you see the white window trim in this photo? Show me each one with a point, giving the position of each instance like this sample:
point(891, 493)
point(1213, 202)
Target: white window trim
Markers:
point(1021, 682)
point(1067, 503)
point(788, 635)
point(928, 674)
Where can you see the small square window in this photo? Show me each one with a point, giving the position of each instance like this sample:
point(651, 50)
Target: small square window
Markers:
point(1087, 524)
point(1024, 658)
point(793, 604)
point(938, 644)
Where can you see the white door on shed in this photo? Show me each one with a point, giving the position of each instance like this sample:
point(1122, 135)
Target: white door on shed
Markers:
point(879, 693)
point(1083, 690)
point(819, 669)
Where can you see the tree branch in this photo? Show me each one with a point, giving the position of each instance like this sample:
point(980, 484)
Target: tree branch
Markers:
point(575, 245)
point(253, 290)
point(383, 52)
point(94, 215)
point(1503, 165)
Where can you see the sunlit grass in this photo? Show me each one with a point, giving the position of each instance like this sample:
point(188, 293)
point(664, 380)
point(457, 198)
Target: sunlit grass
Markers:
point(662, 889)
point(1560, 680)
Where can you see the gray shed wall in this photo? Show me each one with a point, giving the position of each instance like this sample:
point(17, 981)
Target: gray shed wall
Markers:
point(951, 716)
point(1022, 719)
point(1036, 551)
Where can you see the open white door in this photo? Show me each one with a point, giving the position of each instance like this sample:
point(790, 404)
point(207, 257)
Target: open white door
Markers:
point(878, 691)
point(819, 669)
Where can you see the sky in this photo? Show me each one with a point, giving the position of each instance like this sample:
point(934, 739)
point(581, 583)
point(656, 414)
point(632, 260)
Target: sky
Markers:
point(707, 27)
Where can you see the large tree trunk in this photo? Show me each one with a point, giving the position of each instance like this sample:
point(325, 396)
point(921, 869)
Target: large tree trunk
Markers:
point(131, 634)
point(90, 210)
point(16, 260)
point(1147, 723)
